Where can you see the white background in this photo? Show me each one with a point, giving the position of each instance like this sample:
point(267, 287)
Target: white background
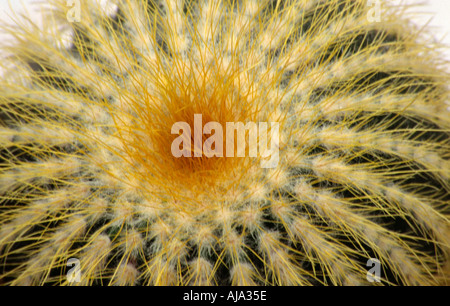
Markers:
point(436, 10)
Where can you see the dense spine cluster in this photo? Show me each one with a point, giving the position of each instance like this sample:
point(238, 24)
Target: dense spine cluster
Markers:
point(86, 170)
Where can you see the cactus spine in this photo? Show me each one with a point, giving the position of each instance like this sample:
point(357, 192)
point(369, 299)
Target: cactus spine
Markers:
point(85, 136)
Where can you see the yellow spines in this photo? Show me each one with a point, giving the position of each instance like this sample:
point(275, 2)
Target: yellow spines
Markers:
point(87, 174)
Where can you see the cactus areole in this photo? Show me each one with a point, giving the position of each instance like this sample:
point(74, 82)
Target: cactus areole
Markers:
point(224, 142)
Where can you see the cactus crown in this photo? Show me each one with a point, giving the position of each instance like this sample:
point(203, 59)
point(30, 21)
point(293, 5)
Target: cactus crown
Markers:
point(86, 170)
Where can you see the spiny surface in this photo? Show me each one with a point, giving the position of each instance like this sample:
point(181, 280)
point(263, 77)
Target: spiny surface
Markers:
point(86, 170)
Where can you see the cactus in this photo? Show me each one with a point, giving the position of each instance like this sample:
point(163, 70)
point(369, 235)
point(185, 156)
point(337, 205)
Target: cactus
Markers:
point(86, 171)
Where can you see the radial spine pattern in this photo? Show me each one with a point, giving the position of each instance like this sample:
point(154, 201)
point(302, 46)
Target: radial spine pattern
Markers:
point(87, 173)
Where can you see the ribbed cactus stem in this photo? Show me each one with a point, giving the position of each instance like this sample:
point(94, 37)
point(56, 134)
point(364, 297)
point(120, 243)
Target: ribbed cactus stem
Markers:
point(87, 173)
